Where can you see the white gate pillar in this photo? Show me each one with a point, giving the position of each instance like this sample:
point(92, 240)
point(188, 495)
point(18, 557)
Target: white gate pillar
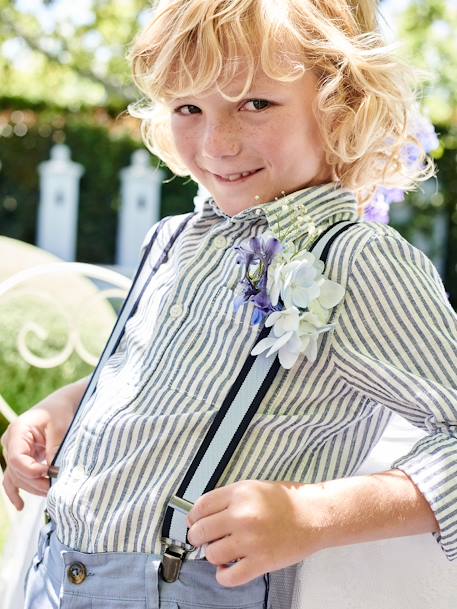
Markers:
point(58, 208)
point(140, 207)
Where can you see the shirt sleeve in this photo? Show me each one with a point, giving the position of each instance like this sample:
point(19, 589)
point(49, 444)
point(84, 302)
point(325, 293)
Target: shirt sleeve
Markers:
point(395, 342)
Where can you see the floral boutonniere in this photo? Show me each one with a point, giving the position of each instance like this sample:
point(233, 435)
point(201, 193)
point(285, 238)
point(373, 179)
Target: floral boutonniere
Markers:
point(289, 293)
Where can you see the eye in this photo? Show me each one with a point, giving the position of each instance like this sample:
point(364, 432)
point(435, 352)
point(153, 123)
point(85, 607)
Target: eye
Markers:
point(187, 109)
point(257, 104)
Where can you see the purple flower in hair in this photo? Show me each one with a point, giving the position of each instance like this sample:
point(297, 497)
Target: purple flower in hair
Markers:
point(426, 134)
point(378, 208)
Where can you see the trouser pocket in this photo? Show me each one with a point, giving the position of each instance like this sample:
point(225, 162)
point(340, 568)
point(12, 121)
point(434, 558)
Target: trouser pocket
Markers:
point(37, 592)
point(43, 543)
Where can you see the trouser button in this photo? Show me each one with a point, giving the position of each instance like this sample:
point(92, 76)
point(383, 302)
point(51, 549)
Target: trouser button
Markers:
point(77, 572)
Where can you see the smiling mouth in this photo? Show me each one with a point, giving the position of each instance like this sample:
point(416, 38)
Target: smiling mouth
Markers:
point(236, 177)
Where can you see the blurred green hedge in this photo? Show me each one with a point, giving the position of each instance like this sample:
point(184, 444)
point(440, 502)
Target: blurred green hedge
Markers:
point(97, 141)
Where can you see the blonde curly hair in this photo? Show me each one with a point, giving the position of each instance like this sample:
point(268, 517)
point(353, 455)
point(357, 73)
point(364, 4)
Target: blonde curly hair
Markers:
point(366, 103)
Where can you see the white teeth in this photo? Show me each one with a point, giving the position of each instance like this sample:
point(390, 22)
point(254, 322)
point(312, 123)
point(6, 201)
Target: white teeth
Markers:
point(237, 176)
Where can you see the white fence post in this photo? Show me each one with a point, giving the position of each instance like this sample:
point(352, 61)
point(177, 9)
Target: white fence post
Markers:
point(140, 207)
point(58, 209)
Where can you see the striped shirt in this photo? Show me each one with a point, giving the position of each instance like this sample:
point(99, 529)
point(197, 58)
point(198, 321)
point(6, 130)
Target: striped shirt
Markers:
point(393, 348)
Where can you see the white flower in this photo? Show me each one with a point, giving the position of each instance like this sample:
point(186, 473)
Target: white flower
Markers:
point(283, 338)
point(297, 278)
point(300, 281)
point(274, 279)
point(331, 293)
point(284, 321)
point(308, 297)
point(288, 347)
point(293, 333)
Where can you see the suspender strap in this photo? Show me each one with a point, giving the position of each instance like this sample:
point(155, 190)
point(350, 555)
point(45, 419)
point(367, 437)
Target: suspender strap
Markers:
point(140, 282)
point(231, 422)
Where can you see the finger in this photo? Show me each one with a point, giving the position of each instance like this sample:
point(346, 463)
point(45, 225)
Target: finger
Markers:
point(37, 443)
point(4, 444)
point(38, 486)
point(223, 551)
point(12, 492)
point(209, 503)
point(27, 466)
point(36, 489)
point(51, 450)
point(4, 438)
point(209, 529)
point(238, 573)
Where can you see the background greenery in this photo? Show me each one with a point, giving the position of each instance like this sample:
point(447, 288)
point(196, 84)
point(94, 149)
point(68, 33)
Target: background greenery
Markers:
point(104, 130)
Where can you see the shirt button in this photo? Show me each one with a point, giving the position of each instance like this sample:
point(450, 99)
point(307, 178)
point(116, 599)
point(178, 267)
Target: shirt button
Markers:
point(220, 242)
point(77, 572)
point(176, 311)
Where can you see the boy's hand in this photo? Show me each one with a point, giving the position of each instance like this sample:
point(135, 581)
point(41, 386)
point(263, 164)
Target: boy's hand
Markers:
point(262, 525)
point(31, 441)
point(24, 449)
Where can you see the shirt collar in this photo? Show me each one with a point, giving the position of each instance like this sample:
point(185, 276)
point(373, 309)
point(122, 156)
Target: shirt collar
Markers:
point(304, 211)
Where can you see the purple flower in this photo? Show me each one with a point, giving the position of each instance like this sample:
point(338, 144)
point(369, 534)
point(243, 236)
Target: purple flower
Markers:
point(411, 154)
point(256, 249)
point(378, 208)
point(426, 134)
point(263, 306)
point(393, 195)
point(255, 255)
point(248, 291)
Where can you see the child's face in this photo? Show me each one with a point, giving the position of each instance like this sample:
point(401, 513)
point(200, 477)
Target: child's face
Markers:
point(271, 133)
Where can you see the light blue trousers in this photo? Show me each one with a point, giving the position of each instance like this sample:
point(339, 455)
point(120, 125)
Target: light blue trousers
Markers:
point(122, 580)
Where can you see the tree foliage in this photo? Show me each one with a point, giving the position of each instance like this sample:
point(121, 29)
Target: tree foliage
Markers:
point(428, 29)
point(75, 52)
point(68, 52)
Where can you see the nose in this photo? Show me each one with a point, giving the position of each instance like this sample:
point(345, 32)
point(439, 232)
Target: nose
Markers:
point(221, 139)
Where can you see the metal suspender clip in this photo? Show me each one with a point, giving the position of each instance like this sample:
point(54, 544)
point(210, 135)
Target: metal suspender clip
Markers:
point(174, 553)
point(172, 560)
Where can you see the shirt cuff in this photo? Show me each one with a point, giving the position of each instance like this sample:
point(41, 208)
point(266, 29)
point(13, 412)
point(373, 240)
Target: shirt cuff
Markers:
point(432, 466)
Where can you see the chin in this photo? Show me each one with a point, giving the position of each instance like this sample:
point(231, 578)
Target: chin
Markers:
point(231, 209)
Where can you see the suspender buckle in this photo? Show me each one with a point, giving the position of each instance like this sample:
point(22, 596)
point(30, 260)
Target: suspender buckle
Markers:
point(172, 559)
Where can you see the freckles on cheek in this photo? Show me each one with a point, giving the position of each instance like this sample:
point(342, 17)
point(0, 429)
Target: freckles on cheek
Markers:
point(183, 144)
